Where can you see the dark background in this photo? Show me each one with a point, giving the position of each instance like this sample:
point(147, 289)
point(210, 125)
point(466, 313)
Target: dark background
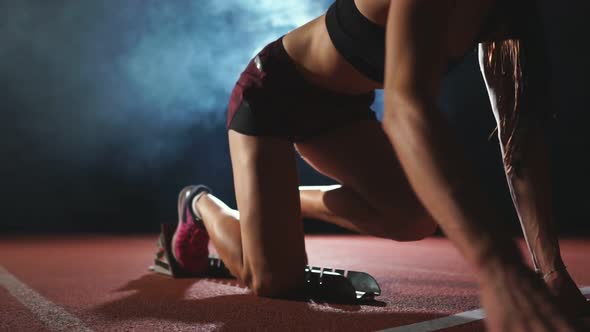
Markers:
point(108, 108)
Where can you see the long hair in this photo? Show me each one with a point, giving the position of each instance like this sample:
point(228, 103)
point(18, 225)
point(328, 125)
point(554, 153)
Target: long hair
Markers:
point(518, 70)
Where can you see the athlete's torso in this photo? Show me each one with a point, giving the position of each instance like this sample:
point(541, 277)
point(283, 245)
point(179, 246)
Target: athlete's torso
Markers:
point(312, 48)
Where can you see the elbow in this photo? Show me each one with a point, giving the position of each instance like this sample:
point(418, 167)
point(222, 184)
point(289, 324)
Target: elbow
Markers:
point(412, 93)
point(406, 110)
point(394, 105)
point(411, 108)
point(407, 101)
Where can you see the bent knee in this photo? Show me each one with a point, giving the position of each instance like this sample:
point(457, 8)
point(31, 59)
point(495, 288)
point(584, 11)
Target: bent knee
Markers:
point(276, 285)
point(419, 230)
point(282, 277)
point(409, 228)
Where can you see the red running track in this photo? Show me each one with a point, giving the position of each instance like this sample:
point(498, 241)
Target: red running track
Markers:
point(103, 283)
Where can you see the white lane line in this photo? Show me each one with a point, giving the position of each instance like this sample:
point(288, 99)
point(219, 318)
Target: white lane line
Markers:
point(53, 316)
point(450, 321)
point(440, 323)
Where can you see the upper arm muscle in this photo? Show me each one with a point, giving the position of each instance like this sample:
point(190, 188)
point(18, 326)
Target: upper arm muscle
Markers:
point(416, 56)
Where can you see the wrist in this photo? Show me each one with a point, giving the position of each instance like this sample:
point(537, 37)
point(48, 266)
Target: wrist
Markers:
point(555, 269)
point(498, 262)
point(550, 264)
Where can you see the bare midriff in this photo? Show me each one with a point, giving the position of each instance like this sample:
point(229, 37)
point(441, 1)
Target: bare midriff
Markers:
point(312, 50)
point(319, 62)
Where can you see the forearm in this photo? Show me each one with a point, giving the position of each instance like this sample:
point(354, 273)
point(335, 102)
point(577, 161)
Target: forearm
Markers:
point(448, 188)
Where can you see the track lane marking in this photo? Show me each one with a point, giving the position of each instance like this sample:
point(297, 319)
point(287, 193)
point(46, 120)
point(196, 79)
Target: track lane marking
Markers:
point(450, 321)
point(52, 315)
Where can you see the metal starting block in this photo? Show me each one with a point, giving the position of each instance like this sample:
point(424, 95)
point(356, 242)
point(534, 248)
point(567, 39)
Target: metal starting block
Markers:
point(326, 284)
point(340, 285)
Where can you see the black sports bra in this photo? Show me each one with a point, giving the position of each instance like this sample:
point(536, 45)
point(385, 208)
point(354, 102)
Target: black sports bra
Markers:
point(362, 42)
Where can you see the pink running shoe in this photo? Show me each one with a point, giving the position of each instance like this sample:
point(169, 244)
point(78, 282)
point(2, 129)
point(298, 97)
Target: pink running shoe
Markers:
point(190, 243)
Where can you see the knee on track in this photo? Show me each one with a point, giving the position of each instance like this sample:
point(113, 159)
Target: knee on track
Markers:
point(276, 288)
point(277, 283)
point(407, 228)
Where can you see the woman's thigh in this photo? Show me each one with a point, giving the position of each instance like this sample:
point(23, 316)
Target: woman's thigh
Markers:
point(360, 156)
point(266, 185)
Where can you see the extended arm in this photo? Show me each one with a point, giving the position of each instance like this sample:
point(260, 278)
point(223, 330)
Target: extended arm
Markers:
point(433, 161)
point(514, 299)
point(530, 178)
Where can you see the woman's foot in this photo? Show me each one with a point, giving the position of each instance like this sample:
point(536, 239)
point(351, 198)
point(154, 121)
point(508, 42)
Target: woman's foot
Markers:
point(567, 294)
point(190, 243)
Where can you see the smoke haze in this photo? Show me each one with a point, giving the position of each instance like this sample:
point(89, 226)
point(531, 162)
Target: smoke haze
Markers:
point(87, 77)
point(108, 108)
